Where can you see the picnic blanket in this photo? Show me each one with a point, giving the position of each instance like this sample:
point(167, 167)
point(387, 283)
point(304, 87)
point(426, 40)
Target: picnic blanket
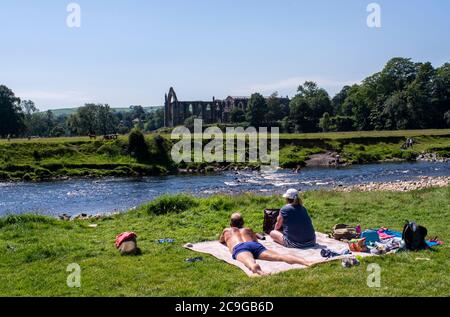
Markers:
point(218, 250)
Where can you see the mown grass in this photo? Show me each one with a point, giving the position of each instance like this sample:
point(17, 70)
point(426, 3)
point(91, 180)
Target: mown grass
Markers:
point(34, 254)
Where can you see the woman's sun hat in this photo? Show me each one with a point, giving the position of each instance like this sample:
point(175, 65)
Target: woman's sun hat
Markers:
point(291, 194)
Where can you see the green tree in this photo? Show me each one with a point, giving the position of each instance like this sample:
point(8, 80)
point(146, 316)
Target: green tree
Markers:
point(441, 95)
point(106, 121)
point(93, 118)
point(276, 111)
point(396, 76)
point(422, 113)
point(300, 115)
point(338, 102)
point(29, 109)
point(155, 120)
point(395, 114)
point(308, 107)
point(287, 125)
point(84, 121)
point(11, 115)
point(447, 118)
point(237, 115)
point(361, 102)
point(138, 112)
point(325, 122)
point(342, 123)
point(256, 110)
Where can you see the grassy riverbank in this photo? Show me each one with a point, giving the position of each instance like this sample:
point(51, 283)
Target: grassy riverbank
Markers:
point(35, 251)
point(42, 159)
point(46, 159)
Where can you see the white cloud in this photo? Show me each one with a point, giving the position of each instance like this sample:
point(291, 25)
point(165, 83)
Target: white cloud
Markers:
point(290, 85)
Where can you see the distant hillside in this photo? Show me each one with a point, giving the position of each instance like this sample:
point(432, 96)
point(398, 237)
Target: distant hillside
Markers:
point(69, 111)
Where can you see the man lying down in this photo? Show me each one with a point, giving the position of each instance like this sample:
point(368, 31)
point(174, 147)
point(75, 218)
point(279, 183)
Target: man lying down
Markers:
point(243, 244)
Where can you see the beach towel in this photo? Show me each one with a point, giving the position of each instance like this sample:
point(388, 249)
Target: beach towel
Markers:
point(221, 252)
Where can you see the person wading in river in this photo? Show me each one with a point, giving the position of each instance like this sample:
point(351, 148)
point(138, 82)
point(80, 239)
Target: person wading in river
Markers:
point(243, 244)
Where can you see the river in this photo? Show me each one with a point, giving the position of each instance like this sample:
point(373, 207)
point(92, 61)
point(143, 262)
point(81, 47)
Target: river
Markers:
point(120, 194)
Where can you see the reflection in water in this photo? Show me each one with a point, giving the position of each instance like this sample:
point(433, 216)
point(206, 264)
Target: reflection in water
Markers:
point(118, 194)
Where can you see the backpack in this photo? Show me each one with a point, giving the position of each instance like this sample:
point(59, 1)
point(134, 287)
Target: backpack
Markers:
point(270, 220)
point(344, 232)
point(414, 236)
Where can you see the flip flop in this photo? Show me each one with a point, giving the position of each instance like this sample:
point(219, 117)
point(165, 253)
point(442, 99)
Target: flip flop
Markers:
point(193, 260)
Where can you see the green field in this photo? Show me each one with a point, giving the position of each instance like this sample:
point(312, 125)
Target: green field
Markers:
point(294, 136)
point(35, 251)
point(43, 159)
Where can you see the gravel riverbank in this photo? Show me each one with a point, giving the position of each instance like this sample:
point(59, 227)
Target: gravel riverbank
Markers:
point(400, 186)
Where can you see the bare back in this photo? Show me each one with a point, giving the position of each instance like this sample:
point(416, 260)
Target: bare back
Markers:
point(233, 236)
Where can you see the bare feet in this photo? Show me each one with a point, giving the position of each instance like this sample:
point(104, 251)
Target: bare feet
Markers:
point(261, 273)
point(309, 263)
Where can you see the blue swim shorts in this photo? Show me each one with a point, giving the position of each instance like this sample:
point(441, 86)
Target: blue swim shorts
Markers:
point(255, 248)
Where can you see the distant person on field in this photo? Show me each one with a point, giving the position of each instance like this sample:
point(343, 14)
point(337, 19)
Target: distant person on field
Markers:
point(243, 244)
point(294, 228)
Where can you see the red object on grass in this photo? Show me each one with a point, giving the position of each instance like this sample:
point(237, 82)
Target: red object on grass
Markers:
point(125, 236)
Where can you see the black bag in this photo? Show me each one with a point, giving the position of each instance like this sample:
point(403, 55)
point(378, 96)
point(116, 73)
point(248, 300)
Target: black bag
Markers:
point(414, 236)
point(270, 220)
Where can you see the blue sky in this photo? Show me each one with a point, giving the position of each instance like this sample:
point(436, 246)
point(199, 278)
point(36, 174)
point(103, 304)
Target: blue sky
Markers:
point(130, 52)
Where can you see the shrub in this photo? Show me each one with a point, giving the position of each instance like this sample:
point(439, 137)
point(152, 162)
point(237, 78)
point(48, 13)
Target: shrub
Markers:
point(409, 155)
point(219, 203)
point(110, 149)
point(137, 146)
point(53, 166)
point(60, 150)
point(43, 173)
point(171, 204)
point(28, 177)
point(22, 219)
point(37, 155)
point(4, 175)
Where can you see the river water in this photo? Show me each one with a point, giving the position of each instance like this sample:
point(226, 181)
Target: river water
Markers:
point(120, 194)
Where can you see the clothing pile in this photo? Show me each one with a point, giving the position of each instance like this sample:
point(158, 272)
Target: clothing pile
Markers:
point(381, 241)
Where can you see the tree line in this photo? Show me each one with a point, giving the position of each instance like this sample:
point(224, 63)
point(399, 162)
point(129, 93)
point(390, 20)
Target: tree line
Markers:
point(403, 95)
point(22, 119)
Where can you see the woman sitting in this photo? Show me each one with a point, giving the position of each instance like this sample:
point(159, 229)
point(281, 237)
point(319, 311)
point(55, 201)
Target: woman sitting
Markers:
point(294, 228)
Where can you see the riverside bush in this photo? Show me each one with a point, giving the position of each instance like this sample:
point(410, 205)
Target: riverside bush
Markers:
point(171, 204)
point(137, 146)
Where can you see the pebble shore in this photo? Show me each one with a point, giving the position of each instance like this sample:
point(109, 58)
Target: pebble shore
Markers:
point(400, 186)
